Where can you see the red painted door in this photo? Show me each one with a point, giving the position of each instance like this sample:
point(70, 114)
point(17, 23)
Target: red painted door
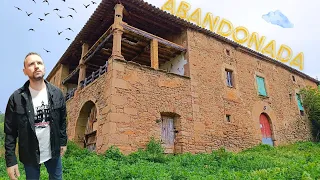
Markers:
point(265, 130)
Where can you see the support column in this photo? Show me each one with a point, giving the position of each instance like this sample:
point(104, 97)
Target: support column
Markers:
point(117, 32)
point(154, 54)
point(116, 49)
point(82, 66)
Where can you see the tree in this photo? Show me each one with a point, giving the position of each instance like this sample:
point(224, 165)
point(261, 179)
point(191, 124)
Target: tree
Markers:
point(311, 102)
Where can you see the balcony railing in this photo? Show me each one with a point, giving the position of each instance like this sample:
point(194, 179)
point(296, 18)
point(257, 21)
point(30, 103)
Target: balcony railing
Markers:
point(70, 94)
point(95, 75)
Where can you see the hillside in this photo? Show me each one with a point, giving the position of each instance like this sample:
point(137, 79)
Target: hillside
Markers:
point(297, 161)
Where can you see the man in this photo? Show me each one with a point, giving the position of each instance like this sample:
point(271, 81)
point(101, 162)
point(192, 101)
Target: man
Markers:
point(36, 115)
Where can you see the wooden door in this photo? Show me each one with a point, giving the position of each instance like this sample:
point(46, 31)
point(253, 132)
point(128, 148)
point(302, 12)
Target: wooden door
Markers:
point(167, 134)
point(90, 132)
point(265, 130)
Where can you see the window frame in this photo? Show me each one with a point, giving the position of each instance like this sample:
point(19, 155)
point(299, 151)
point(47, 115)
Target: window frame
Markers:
point(264, 85)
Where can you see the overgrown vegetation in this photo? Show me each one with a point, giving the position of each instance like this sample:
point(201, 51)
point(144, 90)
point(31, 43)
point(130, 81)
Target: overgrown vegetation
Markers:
point(1, 131)
point(311, 104)
point(297, 161)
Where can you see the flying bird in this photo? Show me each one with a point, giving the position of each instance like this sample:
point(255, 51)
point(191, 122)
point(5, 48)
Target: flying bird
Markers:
point(69, 29)
point(18, 8)
point(64, 0)
point(70, 16)
point(29, 14)
point(31, 29)
point(45, 14)
point(34, 1)
point(45, 1)
point(87, 5)
point(67, 39)
point(60, 16)
point(41, 19)
point(56, 9)
point(93, 2)
point(46, 50)
point(72, 9)
point(59, 32)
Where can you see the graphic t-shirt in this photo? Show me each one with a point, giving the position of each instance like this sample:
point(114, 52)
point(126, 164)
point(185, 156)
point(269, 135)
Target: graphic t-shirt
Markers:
point(42, 122)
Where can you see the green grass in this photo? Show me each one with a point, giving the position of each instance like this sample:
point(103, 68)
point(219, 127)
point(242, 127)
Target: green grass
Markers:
point(297, 161)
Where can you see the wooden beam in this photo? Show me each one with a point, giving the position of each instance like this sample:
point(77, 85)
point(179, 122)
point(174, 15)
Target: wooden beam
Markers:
point(154, 54)
point(159, 25)
point(147, 48)
point(98, 45)
point(74, 72)
point(149, 36)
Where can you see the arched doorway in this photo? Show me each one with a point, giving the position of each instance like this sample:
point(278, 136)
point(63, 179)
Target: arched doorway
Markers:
point(266, 131)
point(86, 128)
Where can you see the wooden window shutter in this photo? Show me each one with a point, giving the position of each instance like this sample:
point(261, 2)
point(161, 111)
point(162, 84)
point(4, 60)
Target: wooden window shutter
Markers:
point(261, 86)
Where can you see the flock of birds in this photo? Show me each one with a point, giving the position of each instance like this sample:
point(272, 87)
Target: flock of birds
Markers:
point(61, 17)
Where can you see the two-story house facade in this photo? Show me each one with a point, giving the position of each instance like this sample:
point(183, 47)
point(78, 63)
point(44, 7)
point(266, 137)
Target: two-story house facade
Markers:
point(135, 72)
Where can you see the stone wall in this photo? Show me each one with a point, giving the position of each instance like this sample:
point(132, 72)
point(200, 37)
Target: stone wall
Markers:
point(138, 95)
point(213, 99)
point(95, 92)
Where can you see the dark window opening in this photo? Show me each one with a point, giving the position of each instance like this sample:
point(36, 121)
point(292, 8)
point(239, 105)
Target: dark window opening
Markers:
point(229, 78)
point(293, 78)
point(228, 52)
point(228, 118)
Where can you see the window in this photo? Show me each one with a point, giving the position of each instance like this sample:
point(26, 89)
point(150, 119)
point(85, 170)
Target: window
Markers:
point(228, 52)
point(301, 109)
point(228, 118)
point(293, 78)
point(229, 78)
point(261, 86)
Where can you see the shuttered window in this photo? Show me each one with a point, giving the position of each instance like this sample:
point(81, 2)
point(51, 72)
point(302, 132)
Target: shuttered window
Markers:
point(261, 86)
point(299, 102)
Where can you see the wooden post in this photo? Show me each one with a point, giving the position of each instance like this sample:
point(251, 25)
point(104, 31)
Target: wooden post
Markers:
point(154, 54)
point(117, 31)
point(82, 70)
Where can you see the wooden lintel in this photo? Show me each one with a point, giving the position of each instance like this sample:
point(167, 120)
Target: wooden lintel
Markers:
point(74, 72)
point(149, 36)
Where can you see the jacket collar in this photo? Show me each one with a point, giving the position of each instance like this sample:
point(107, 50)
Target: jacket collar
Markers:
point(25, 87)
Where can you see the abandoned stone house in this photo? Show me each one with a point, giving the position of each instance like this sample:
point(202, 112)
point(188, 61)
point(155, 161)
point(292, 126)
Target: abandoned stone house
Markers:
point(135, 72)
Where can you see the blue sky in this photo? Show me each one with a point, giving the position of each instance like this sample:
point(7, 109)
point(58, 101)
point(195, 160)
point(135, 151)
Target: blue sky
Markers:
point(17, 41)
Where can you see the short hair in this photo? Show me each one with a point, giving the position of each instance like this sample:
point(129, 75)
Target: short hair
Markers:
point(29, 54)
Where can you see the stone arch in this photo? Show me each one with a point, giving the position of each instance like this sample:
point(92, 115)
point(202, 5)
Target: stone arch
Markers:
point(86, 125)
point(263, 108)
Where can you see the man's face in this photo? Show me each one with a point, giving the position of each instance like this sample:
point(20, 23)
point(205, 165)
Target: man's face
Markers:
point(34, 68)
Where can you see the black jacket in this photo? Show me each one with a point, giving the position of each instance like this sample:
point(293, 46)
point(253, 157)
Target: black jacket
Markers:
point(19, 123)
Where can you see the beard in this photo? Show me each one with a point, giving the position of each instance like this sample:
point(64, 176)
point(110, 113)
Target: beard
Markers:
point(37, 77)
